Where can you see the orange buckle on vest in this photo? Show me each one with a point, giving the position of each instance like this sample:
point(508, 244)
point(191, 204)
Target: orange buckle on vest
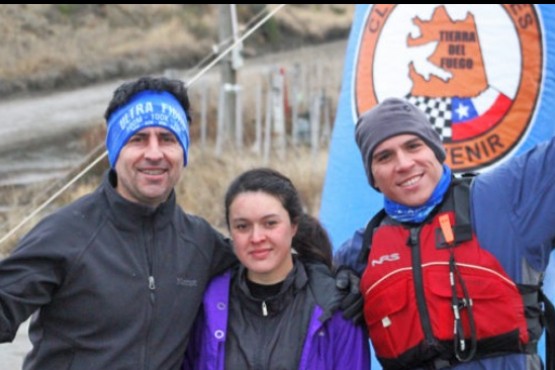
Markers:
point(446, 228)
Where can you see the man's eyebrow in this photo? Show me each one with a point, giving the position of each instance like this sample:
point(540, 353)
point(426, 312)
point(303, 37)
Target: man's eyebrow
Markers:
point(379, 152)
point(410, 141)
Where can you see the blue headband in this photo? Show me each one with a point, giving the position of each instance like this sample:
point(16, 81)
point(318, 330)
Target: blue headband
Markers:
point(147, 109)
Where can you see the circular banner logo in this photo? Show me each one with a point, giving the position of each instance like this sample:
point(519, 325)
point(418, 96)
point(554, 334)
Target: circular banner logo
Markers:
point(475, 70)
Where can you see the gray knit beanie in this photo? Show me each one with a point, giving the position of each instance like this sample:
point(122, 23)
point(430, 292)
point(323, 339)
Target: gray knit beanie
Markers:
point(392, 117)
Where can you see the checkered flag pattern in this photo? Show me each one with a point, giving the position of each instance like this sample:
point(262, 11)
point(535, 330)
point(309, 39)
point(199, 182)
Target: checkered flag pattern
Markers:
point(438, 111)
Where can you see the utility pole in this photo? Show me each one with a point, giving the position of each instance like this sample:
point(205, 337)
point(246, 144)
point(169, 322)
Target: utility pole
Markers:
point(228, 34)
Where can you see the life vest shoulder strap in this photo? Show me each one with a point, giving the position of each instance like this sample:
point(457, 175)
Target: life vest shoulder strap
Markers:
point(367, 236)
point(460, 204)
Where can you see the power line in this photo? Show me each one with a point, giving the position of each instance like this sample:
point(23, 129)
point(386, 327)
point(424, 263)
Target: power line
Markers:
point(227, 41)
point(236, 43)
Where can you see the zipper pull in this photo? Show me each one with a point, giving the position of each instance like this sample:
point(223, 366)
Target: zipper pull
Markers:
point(152, 288)
point(413, 238)
point(264, 309)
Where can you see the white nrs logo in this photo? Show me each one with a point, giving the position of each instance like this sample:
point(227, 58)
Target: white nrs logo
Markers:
point(386, 258)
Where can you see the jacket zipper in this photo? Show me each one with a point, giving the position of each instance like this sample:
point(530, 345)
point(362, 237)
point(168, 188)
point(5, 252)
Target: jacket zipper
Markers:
point(149, 249)
point(150, 263)
point(264, 309)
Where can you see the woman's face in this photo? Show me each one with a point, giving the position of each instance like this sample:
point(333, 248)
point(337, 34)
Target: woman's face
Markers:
point(262, 234)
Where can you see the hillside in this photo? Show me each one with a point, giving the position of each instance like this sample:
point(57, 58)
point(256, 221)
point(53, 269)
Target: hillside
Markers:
point(49, 47)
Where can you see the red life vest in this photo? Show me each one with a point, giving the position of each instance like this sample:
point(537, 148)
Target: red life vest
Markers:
point(433, 297)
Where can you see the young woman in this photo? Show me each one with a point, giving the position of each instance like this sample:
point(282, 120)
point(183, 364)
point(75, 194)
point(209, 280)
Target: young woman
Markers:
point(279, 308)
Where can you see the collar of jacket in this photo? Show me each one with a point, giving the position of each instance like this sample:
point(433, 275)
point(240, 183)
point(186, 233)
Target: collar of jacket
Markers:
point(130, 215)
point(295, 281)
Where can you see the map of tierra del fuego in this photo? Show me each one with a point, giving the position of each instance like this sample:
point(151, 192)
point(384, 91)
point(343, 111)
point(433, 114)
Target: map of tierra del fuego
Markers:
point(452, 78)
point(457, 58)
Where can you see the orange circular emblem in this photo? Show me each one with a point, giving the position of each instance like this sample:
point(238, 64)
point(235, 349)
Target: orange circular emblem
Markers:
point(475, 70)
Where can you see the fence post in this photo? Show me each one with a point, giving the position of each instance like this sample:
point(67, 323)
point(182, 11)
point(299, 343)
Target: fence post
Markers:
point(258, 118)
point(239, 117)
point(267, 126)
point(296, 96)
point(278, 110)
point(203, 115)
point(315, 123)
point(220, 131)
point(326, 129)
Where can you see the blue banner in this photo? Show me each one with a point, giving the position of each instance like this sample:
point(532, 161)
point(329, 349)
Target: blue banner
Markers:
point(484, 74)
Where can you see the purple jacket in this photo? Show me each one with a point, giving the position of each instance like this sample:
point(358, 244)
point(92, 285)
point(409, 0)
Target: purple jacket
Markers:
point(333, 344)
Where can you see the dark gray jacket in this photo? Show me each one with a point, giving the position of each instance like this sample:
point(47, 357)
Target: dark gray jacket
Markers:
point(113, 284)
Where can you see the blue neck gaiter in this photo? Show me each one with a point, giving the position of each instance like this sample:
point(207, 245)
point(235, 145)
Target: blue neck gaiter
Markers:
point(404, 213)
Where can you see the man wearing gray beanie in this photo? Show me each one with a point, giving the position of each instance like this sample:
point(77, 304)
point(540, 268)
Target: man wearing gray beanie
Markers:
point(432, 258)
point(394, 117)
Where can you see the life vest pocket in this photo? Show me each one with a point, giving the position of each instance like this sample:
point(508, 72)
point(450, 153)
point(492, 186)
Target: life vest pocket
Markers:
point(393, 323)
point(492, 301)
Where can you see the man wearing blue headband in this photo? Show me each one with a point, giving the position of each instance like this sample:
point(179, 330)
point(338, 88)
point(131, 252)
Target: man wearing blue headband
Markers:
point(116, 278)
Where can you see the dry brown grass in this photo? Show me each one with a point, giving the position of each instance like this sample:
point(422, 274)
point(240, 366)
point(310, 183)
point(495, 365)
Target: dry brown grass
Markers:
point(53, 46)
point(203, 185)
point(201, 189)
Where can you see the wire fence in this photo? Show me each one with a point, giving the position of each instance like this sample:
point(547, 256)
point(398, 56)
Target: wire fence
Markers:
point(276, 109)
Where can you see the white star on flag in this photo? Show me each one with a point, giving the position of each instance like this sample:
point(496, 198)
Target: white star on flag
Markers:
point(462, 111)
